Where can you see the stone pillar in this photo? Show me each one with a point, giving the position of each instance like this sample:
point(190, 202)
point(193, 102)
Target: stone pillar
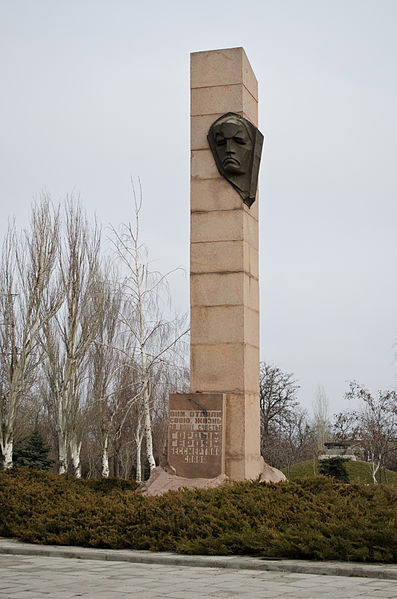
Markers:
point(224, 290)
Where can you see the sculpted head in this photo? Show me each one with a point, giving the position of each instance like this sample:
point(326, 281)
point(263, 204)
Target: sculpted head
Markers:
point(233, 143)
point(236, 145)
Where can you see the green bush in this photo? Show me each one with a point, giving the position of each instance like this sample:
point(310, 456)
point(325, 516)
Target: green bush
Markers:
point(33, 453)
point(314, 518)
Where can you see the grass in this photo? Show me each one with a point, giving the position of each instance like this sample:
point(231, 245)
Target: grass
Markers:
point(358, 472)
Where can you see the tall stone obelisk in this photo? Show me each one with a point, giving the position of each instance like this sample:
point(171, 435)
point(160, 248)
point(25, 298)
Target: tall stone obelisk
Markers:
point(224, 292)
point(214, 431)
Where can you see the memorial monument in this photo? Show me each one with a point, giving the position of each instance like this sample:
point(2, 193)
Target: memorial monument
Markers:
point(214, 431)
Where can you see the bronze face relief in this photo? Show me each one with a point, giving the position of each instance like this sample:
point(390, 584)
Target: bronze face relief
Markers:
point(236, 145)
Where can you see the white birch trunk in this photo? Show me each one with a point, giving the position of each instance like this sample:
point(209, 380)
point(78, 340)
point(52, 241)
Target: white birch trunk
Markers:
point(375, 468)
point(138, 476)
point(7, 454)
point(148, 431)
point(75, 449)
point(138, 441)
point(105, 457)
point(62, 454)
point(62, 435)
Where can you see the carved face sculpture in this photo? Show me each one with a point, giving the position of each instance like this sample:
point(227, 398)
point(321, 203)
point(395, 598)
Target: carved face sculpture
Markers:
point(236, 145)
point(233, 146)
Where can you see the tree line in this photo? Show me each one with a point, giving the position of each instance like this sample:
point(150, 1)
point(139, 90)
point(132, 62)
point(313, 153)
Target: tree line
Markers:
point(90, 350)
point(289, 435)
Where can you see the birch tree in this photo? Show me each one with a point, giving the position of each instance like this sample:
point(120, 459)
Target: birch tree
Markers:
point(27, 265)
point(126, 426)
point(154, 334)
point(111, 367)
point(103, 364)
point(67, 338)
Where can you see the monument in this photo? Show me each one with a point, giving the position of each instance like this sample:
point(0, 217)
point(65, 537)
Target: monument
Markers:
point(214, 431)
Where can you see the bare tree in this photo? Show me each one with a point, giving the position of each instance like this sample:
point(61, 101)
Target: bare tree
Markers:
point(27, 265)
point(116, 396)
point(171, 377)
point(67, 338)
point(321, 420)
point(104, 362)
point(374, 424)
point(277, 395)
point(154, 334)
point(92, 355)
point(278, 404)
point(297, 438)
point(139, 414)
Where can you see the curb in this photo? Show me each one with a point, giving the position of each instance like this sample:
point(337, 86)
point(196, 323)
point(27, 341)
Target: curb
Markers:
point(14, 547)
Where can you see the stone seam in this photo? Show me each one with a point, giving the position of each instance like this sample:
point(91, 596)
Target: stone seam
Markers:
point(223, 85)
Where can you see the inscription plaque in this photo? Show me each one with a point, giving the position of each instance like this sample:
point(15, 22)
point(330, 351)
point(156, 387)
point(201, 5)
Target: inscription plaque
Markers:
point(196, 434)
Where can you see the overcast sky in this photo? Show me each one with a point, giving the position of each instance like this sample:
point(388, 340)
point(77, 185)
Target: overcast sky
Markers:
point(94, 92)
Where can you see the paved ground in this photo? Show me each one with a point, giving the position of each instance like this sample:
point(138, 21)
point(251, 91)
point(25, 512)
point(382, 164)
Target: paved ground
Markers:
point(35, 577)
point(236, 562)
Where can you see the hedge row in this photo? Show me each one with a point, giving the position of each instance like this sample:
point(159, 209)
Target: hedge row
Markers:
point(307, 519)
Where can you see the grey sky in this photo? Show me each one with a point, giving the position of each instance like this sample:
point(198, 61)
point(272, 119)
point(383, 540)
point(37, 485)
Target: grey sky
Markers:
point(93, 92)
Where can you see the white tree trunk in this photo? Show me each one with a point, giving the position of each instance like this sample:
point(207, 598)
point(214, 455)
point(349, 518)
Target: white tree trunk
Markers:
point(375, 468)
point(62, 454)
point(105, 457)
point(148, 432)
point(138, 442)
point(7, 454)
point(75, 448)
point(138, 476)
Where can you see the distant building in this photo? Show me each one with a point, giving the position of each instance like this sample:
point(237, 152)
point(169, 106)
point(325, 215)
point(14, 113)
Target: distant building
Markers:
point(342, 449)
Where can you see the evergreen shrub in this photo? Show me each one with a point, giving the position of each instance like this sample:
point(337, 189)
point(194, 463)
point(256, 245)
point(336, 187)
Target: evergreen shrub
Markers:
point(334, 467)
point(316, 518)
point(33, 453)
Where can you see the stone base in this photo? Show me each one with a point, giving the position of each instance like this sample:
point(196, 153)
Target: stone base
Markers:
point(161, 481)
point(270, 474)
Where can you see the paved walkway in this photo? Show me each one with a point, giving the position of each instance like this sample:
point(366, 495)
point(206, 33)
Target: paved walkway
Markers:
point(43, 571)
point(35, 577)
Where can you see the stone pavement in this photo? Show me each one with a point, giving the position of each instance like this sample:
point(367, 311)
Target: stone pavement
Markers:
point(35, 577)
point(239, 562)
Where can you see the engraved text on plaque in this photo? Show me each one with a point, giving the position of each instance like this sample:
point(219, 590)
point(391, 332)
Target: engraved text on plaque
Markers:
point(196, 434)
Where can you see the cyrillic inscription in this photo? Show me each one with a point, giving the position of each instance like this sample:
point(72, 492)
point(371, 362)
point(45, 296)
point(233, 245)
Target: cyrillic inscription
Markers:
point(195, 434)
